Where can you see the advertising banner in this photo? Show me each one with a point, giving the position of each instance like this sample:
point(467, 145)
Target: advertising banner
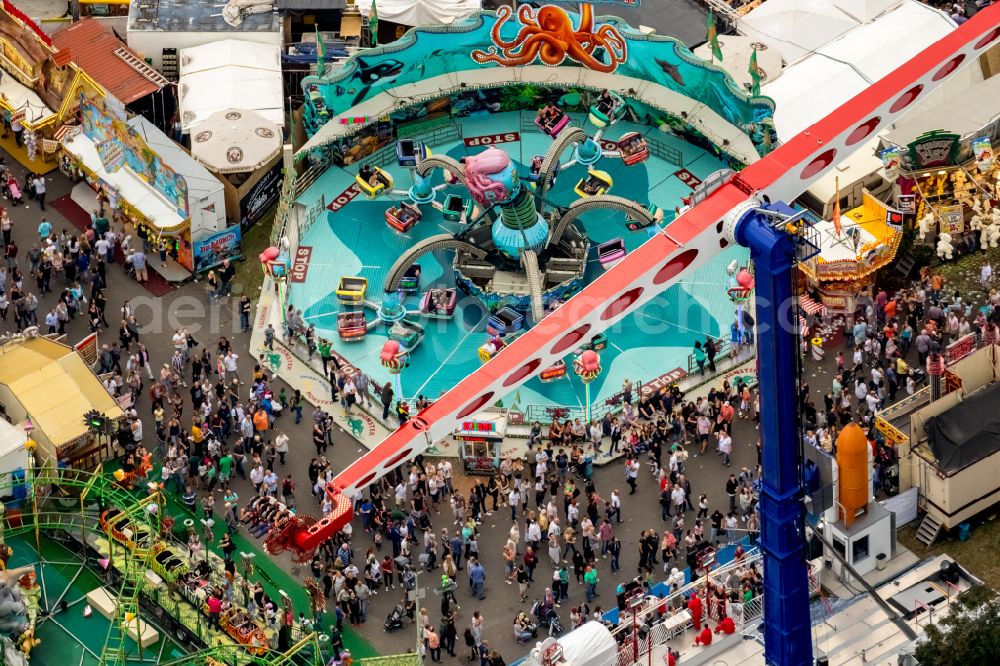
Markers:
point(891, 159)
point(931, 149)
point(983, 151)
point(259, 199)
point(952, 220)
point(101, 124)
point(112, 154)
point(907, 203)
point(209, 252)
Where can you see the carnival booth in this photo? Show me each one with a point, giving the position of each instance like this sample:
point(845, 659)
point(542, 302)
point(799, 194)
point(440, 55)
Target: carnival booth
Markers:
point(851, 248)
point(480, 440)
point(36, 81)
point(156, 191)
point(48, 389)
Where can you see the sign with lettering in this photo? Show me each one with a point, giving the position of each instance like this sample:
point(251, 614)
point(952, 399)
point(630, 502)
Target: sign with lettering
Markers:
point(688, 178)
point(479, 426)
point(259, 199)
point(960, 348)
point(892, 159)
point(837, 267)
point(664, 380)
point(933, 149)
point(344, 198)
point(211, 251)
point(907, 203)
point(952, 219)
point(492, 139)
point(983, 151)
point(300, 264)
point(112, 154)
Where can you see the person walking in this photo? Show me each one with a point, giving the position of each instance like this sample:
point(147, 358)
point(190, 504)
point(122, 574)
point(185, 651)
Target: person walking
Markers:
point(590, 579)
point(433, 642)
point(631, 473)
point(385, 397)
point(477, 578)
point(39, 187)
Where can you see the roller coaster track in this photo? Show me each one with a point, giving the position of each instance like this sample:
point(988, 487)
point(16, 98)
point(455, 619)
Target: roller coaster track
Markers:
point(222, 655)
point(439, 242)
point(530, 261)
point(444, 162)
point(134, 564)
point(73, 504)
point(601, 202)
point(566, 138)
point(51, 488)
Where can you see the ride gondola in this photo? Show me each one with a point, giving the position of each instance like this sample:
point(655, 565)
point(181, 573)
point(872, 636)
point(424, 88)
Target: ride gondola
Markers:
point(403, 217)
point(352, 326)
point(551, 120)
point(407, 333)
point(605, 110)
point(410, 153)
point(595, 184)
point(373, 181)
point(352, 289)
point(633, 148)
point(611, 252)
point(410, 282)
point(439, 303)
point(504, 322)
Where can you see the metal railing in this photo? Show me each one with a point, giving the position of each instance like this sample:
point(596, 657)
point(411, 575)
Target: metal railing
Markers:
point(545, 414)
point(722, 351)
point(664, 152)
point(286, 201)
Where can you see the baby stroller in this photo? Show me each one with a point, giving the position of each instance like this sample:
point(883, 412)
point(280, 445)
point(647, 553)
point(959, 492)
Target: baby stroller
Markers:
point(547, 617)
point(14, 191)
point(395, 620)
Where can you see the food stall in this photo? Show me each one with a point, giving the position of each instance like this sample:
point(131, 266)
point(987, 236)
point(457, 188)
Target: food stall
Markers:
point(480, 439)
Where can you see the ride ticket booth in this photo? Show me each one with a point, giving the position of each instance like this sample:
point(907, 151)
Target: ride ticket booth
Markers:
point(480, 441)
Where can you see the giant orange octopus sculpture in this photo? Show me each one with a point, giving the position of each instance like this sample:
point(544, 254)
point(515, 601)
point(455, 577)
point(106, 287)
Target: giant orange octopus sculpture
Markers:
point(548, 34)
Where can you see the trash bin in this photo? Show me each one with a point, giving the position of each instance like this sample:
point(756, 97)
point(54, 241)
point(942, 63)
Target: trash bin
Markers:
point(964, 530)
point(880, 561)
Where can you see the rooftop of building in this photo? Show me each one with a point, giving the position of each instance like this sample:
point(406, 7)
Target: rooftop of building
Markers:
point(193, 16)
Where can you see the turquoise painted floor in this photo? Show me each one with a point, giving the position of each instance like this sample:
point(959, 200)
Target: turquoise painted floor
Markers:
point(356, 241)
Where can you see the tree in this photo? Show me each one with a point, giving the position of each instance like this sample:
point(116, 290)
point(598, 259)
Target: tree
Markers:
point(968, 634)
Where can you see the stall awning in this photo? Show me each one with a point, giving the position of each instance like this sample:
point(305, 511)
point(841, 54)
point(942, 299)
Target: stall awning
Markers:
point(129, 186)
point(54, 386)
point(217, 76)
point(19, 98)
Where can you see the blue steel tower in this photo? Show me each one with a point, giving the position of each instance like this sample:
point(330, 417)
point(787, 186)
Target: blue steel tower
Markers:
point(787, 626)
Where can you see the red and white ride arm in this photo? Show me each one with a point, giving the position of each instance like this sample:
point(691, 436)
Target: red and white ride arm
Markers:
point(689, 241)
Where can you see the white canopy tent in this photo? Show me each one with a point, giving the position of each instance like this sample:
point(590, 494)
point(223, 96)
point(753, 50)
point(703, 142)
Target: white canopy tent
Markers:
point(736, 53)
point(223, 74)
point(806, 90)
point(965, 114)
point(865, 10)
point(795, 28)
point(421, 12)
point(590, 644)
